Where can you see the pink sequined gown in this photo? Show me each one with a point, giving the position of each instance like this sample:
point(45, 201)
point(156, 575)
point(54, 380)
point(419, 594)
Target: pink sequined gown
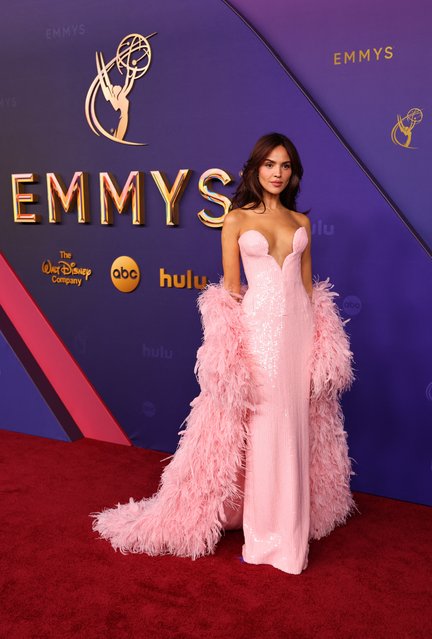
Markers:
point(276, 507)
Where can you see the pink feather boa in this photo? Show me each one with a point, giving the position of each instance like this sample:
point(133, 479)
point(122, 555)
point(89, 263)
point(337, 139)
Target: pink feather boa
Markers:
point(186, 516)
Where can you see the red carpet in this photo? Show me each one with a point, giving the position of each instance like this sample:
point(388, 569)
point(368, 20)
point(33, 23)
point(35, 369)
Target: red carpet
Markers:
point(369, 579)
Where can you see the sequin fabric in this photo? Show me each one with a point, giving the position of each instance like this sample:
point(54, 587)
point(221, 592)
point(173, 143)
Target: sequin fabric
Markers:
point(275, 513)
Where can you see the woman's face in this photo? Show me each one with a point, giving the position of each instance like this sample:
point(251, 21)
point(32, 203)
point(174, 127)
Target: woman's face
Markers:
point(275, 172)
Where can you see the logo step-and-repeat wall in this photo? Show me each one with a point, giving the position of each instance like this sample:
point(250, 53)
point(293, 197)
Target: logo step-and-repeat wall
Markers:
point(124, 130)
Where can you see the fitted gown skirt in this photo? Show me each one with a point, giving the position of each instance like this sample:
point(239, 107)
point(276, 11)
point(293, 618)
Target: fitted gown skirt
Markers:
point(275, 512)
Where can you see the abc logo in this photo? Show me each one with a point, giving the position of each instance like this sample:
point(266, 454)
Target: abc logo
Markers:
point(125, 274)
point(352, 305)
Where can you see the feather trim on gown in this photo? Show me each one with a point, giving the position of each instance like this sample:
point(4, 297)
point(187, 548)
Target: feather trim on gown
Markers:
point(331, 375)
point(186, 515)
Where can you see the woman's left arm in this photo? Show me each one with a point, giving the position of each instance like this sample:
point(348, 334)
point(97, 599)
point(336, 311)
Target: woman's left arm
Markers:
point(306, 260)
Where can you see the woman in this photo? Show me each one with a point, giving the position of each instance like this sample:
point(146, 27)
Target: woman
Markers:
point(274, 242)
point(264, 446)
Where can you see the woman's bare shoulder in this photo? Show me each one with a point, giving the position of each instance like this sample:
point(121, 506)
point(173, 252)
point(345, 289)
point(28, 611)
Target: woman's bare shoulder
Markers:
point(234, 218)
point(301, 219)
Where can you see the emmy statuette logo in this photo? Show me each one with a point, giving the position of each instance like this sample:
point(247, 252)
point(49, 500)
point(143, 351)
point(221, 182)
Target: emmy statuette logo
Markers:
point(125, 274)
point(401, 133)
point(132, 59)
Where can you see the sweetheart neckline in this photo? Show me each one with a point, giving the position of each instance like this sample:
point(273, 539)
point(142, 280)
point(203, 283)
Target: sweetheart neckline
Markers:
point(268, 246)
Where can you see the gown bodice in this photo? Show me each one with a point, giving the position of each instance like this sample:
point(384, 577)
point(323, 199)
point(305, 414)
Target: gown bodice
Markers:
point(269, 284)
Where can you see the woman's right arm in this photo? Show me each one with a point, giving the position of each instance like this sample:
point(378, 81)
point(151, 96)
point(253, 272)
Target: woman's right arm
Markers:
point(231, 251)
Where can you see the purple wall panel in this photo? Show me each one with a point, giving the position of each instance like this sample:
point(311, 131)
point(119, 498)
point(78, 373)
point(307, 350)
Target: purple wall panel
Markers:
point(362, 97)
point(22, 407)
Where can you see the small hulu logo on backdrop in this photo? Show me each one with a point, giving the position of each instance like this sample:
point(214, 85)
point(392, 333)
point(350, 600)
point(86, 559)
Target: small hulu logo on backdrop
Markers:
point(185, 280)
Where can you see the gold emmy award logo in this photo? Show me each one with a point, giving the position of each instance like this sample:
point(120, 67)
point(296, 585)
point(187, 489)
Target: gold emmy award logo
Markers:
point(132, 59)
point(125, 274)
point(401, 133)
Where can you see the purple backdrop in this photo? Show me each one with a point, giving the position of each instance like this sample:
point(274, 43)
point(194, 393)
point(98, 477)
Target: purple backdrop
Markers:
point(214, 87)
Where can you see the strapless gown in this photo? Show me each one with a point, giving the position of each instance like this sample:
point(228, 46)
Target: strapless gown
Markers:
point(275, 513)
point(272, 337)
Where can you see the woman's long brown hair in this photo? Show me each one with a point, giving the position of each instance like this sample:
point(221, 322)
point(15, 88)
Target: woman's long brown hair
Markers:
point(249, 193)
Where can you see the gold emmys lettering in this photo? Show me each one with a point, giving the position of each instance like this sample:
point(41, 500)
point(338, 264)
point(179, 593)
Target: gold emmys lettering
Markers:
point(132, 59)
point(62, 197)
